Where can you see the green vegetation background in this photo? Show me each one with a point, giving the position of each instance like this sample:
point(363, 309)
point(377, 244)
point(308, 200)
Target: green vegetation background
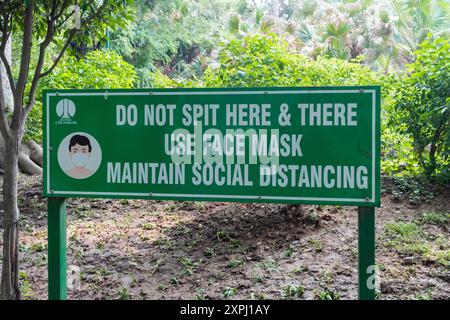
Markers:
point(400, 45)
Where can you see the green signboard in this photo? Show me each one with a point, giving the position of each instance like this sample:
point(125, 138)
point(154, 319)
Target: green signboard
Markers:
point(281, 145)
point(284, 145)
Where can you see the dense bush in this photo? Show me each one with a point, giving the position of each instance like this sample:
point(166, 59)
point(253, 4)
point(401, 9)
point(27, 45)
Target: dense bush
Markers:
point(415, 112)
point(266, 61)
point(99, 69)
point(422, 108)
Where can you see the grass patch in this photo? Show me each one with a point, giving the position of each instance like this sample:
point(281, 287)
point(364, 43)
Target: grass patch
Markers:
point(209, 252)
point(200, 294)
point(124, 202)
point(268, 265)
point(402, 229)
point(409, 238)
point(300, 270)
point(288, 253)
point(38, 247)
point(435, 218)
point(82, 212)
point(147, 226)
point(224, 235)
point(234, 264)
point(256, 277)
point(405, 237)
point(316, 244)
point(329, 295)
point(25, 286)
point(257, 296)
point(124, 294)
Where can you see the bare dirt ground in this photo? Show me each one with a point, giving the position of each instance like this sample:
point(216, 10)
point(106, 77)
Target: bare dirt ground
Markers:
point(134, 249)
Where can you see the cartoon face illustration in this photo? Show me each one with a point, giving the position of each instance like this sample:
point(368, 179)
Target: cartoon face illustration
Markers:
point(80, 151)
point(79, 155)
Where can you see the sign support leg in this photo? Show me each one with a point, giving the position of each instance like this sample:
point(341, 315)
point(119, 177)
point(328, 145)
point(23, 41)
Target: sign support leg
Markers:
point(366, 253)
point(57, 255)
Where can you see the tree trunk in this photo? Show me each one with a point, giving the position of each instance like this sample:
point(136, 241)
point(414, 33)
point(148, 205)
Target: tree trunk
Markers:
point(4, 82)
point(10, 289)
point(30, 156)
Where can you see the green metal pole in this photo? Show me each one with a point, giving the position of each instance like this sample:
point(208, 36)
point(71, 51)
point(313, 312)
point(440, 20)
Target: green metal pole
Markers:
point(57, 255)
point(366, 253)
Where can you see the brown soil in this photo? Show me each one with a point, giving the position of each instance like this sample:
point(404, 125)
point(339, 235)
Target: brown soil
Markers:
point(192, 250)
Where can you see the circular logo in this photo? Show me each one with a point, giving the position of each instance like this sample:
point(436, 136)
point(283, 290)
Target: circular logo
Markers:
point(65, 109)
point(79, 155)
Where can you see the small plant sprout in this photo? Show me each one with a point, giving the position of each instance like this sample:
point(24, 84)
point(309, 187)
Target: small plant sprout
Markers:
point(316, 244)
point(329, 295)
point(235, 263)
point(229, 292)
point(292, 291)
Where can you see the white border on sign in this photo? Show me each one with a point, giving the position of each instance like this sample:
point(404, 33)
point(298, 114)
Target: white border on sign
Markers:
point(159, 93)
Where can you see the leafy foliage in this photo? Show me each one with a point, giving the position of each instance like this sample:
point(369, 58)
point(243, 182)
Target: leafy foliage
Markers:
point(265, 60)
point(384, 32)
point(413, 188)
point(423, 106)
point(99, 69)
point(171, 35)
point(177, 38)
point(53, 32)
point(292, 291)
point(94, 17)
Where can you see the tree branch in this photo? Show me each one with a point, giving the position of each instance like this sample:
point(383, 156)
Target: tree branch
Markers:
point(38, 74)
point(26, 48)
point(42, 50)
point(4, 40)
point(60, 55)
point(51, 29)
point(64, 6)
point(95, 15)
point(4, 125)
point(64, 20)
point(24, 65)
point(70, 38)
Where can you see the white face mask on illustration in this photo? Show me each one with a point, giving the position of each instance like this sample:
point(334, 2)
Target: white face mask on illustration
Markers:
point(80, 160)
